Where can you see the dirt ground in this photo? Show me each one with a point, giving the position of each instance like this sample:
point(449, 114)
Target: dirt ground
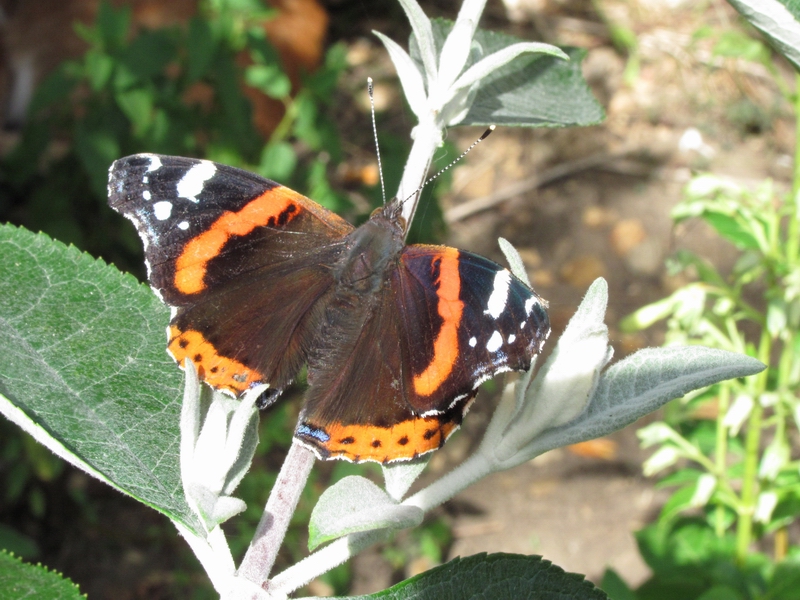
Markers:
point(601, 207)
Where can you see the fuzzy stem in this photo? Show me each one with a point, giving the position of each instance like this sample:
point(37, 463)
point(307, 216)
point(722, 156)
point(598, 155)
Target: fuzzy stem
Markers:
point(427, 138)
point(324, 560)
point(474, 468)
point(213, 553)
point(440, 491)
point(274, 522)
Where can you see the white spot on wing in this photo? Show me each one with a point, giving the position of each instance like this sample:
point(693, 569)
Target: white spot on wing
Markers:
point(146, 195)
point(184, 225)
point(494, 343)
point(473, 341)
point(529, 304)
point(499, 298)
point(511, 338)
point(162, 210)
point(155, 164)
point(191, 184)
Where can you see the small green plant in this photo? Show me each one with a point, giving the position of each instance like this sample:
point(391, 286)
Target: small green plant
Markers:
point(736, 472)
point(737, 479)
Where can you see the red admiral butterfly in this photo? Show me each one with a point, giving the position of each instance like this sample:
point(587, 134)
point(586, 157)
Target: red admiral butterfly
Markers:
point(262, 280)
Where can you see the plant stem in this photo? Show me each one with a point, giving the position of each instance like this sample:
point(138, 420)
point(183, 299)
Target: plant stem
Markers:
point(324, 560)
point(426, 140)
point(721, 453)
point(440, 491)
point(781, 544)
point(274, 522)
point(744, 526)
point(213, 553)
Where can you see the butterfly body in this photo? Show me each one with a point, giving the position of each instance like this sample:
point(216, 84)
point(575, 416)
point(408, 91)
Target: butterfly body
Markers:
point(262, 280)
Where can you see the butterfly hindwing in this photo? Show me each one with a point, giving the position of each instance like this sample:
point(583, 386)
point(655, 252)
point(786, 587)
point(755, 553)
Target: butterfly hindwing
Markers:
point(357, 406)
point(447, 320)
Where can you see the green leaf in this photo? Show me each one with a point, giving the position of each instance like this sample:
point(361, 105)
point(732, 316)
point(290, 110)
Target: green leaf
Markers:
point(56, 87)
point(200, 48)
point(148, 54)
point(533, 90)
point(269, 79)
point(16, 542)
point(399, 475)
point(99, 67)
point(84, 369)
point(648, 315)
point(137, 104)
point(112, 25)
point(722, 592)
point(278, 161)
point(679, 502)
point(97, 148)
point(322, 82)
point(615, 586)
point(729, 227)
point(355, 504)
point(705, 270)
point(778, 20)
point(679, 477)
point(737, 44)
point(643, 382)
point(307, 113)
point(785, 581)
point(33, 582)
point(495, 576)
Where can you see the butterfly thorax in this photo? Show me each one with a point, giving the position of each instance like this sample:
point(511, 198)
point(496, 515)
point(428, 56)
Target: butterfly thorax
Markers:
point(371, 250)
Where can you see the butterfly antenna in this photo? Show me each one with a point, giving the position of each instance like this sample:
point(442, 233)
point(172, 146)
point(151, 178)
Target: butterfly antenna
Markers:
point(458, 158)
point(375, 133)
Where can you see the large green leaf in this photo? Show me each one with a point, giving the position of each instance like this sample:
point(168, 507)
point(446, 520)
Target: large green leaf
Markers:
point(495, 576)
point(33, 582)
point(778, 20)
point(83, 368)
point(533, 90)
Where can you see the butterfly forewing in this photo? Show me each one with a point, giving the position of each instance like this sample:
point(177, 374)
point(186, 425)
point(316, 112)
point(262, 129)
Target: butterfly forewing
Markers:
point(191, 213)
point(243, 259)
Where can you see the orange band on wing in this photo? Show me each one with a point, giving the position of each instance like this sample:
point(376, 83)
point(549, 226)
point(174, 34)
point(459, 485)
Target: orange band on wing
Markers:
point(218, 371)
point(275, 207)
point(404, 441)
point(450, 308)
